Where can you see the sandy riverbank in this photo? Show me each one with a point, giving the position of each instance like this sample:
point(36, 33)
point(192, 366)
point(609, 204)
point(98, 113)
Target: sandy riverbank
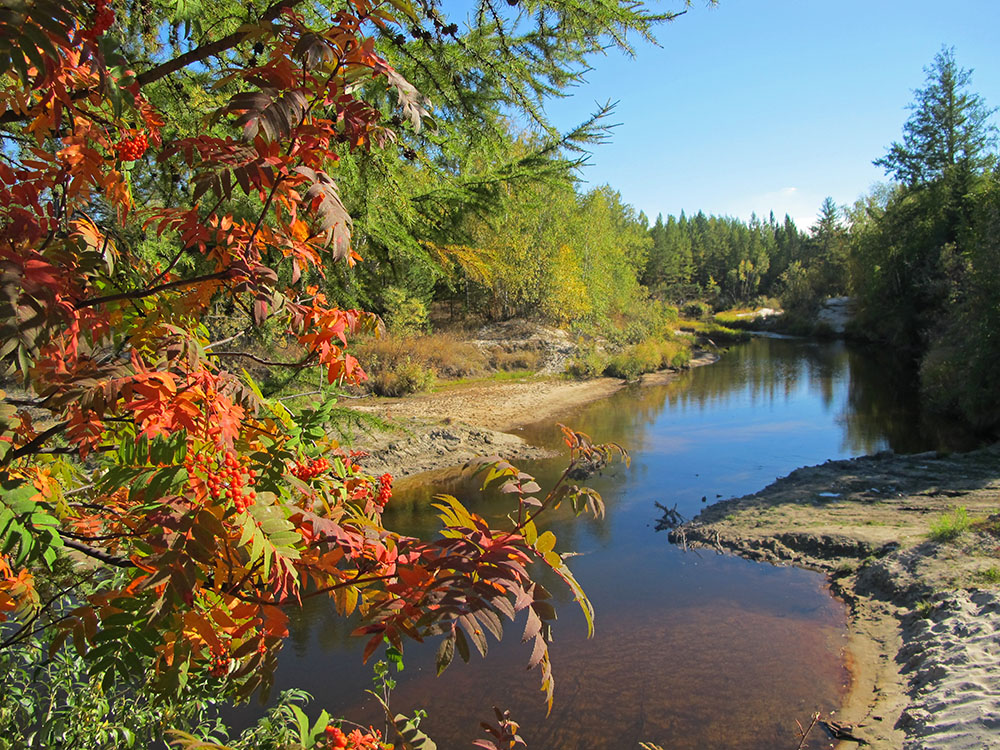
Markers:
point(925, 615)
point(456, 423)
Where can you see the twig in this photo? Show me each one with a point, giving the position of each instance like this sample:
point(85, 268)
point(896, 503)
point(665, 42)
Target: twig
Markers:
point(34, 444)
point(97, 554)
point(803, 734)
point(140, 293)
point(270, 363)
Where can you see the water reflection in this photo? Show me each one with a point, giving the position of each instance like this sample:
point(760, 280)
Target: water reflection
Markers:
point(692, 650)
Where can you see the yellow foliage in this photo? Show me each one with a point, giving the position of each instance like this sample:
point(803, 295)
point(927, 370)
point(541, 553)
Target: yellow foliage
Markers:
point(567, 298)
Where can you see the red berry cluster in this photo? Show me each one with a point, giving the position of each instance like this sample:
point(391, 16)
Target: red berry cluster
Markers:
point(227, 478)
point(132, 148)
point(309, 469)
point(104, 16)
point(220, 664)
point(384, 489)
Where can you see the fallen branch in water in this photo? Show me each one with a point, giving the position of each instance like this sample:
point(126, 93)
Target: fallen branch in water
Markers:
point(804, 733)
point(671, 518)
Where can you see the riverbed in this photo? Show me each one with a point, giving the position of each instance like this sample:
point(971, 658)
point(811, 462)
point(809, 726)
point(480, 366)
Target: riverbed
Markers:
point(692, 649)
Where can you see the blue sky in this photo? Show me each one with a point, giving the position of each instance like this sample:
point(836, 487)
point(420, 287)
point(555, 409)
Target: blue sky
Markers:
point(760, 105)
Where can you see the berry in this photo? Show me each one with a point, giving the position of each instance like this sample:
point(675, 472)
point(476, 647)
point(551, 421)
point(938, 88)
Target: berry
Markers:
point(384, 489)
point(220, 664)
point(104, 17)
point(308, 470)
point(132, 148)
point(337, 738)
point(226, 478)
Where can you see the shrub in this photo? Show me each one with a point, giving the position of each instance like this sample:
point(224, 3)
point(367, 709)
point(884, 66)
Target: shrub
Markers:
point(649, 356)
point(589, 363)
point(798, 291)
point(823, 330)
point(404, 313)
point(447, 355)
point(696, 310)
point(950, 525)
point(442, 354)
point(676, 355)
point(624, 365)
point(519, 359)
point(402, 378)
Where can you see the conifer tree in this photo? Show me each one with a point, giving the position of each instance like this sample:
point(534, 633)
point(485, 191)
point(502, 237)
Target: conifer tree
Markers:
point(949, 129)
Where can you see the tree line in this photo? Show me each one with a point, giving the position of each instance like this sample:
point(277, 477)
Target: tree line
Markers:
point(919, 254)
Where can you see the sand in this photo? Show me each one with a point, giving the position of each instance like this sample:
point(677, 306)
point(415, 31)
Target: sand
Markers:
point(924, 643)
point(456, 423)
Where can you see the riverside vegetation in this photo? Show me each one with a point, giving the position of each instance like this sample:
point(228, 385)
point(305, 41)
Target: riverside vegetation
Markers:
point(189, 208)
point(915, 256)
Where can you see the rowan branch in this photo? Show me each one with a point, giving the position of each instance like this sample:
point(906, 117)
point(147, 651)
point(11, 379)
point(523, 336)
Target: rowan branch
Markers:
point(196, 55)
point(211, 49)
point(97, 554)
point(270, 363)
point(33, 445)
point(140, 293)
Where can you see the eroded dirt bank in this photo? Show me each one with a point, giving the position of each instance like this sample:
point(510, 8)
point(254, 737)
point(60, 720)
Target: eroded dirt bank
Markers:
point(925, 626)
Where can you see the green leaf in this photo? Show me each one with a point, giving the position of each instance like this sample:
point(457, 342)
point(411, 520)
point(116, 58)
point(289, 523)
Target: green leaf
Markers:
point(462, 645)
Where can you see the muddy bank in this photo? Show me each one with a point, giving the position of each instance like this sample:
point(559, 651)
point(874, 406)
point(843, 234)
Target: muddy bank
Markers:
point(925, 630)
point(456, 423)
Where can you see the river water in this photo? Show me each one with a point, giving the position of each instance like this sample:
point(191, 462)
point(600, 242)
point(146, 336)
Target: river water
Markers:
point(692, 649)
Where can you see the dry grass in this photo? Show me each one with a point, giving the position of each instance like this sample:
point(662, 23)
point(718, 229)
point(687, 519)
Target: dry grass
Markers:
point(518, 359)
point(397, 365)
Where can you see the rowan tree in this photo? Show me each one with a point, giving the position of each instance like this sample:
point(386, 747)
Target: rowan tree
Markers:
point(130, 441)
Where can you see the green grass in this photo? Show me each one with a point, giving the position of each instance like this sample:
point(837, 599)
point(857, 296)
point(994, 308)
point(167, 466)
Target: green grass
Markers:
point(719, 334)
point(951, 525)
point(501, 375)
point(990, 575)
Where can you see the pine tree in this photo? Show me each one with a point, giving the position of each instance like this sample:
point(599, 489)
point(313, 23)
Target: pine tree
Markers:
point(949, 130)
point(829, 250)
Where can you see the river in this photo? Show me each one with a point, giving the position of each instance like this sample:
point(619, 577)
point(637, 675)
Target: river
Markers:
point(692, 649)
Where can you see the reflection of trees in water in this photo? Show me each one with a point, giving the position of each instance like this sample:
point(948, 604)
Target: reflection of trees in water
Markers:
point(883, 407)
point(764, 371)
point(410, 510)
point(879, 392)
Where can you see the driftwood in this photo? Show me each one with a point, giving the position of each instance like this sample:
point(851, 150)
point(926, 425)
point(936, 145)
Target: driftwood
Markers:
point(671, 518)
